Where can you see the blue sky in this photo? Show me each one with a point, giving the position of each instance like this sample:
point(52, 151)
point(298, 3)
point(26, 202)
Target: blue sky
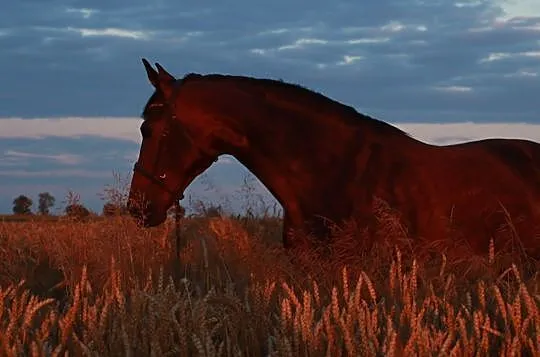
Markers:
point(72, 83)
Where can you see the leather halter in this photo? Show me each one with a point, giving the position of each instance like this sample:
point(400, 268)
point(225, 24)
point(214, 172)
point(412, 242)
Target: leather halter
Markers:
point(160, 179)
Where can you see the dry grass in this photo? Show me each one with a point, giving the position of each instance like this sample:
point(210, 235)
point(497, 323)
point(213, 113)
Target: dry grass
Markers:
point(108, 288)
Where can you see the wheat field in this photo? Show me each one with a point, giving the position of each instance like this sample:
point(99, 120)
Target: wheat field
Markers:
point(108, 288)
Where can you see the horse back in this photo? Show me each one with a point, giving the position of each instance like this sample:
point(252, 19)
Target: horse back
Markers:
point(467, 190)
point(520, 157)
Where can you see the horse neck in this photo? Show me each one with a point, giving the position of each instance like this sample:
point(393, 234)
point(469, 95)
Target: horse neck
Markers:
point(305, 150)
point(292, 154)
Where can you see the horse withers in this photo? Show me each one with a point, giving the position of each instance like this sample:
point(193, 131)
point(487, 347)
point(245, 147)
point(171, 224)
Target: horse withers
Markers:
point(325, 162)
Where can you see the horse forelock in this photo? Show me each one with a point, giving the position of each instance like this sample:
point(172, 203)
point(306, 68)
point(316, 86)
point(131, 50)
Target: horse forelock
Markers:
point(149, 103)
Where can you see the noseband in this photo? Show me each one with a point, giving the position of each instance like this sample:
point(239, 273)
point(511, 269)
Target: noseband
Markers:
point(160, 179)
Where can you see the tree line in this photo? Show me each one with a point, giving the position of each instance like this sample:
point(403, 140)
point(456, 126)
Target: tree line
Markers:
point(22, 205)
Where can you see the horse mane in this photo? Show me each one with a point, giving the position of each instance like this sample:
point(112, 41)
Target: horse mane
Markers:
point(350, 114)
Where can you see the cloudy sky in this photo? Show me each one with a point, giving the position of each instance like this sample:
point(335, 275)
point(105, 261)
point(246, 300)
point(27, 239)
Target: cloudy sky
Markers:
point(72, 84)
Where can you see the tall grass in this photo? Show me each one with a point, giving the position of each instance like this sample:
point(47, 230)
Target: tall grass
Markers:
point(108, 288)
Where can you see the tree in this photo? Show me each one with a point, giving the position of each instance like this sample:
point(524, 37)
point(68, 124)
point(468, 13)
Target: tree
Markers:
point(22, 205)
point(213, 211)
point(111, 209)
point(77, 211)
point(74, 209)
point(208, 210)
point(46, 201)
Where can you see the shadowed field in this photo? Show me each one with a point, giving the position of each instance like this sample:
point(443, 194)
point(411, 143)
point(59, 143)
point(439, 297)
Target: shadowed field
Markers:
point(107, 288)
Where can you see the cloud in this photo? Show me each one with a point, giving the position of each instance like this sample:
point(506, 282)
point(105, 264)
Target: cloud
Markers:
point(6, 162)
point(109, 128)
point(113, 32)
point(385, 56)
point(127, 130)
point(55, 173)
point(522, 73)
point(86, 13)
point(72, 79)
point(66, 159)
point(452, 133)
point(519, 8)
point(453, 89)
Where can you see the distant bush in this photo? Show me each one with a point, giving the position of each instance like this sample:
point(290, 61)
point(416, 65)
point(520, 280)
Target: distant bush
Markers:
point(110, 209)
point(22, 205)
point(46, 201)
point(77, 211)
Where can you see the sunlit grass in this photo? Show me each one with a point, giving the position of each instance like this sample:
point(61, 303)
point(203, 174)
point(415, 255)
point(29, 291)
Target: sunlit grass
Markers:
point(108, 288)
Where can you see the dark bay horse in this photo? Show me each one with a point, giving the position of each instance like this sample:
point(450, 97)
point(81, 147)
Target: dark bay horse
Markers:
point(325, 162)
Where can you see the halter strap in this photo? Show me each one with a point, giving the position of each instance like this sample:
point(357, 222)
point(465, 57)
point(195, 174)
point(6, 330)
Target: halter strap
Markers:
point(160, 179)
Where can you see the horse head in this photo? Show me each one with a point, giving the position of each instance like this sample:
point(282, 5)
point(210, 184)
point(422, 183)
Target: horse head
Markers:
point(175, 149)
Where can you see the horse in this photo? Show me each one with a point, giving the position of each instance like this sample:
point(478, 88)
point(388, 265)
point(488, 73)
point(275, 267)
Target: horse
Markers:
point(328, 164)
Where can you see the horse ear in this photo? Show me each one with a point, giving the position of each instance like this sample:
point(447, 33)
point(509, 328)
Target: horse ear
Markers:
point(165, 80)
point(152, 74)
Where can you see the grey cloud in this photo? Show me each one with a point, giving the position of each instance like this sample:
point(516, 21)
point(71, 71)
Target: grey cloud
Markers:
point(59, 71)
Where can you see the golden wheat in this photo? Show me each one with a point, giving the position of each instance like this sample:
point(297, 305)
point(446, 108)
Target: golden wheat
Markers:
point(233, 293)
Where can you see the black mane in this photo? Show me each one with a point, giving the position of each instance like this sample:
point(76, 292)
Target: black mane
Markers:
point(350, 113)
